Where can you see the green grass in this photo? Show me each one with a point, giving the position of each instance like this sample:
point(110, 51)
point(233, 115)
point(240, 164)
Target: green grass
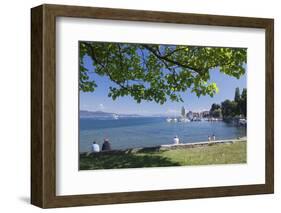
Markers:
point(229, 153)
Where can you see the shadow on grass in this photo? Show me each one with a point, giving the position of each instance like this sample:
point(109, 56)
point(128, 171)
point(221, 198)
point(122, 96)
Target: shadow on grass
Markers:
point(117, 160)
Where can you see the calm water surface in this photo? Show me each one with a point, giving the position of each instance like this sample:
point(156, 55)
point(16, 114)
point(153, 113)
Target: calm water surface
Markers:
point(132, 132)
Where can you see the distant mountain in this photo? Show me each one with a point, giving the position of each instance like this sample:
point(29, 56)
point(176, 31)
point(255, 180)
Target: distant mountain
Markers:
point(85, 113)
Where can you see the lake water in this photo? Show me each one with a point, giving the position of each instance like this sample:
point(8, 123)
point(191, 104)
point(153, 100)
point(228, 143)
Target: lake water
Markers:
point(133, 132)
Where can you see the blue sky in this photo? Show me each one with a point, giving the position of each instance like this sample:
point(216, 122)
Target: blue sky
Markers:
point(98, 100)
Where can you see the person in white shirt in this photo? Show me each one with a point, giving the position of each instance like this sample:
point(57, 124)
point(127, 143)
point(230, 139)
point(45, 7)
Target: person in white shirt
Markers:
point(176, 140)
point(95, 147)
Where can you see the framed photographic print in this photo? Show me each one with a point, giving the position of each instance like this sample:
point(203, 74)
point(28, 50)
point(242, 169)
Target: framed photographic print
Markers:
point(136, 106)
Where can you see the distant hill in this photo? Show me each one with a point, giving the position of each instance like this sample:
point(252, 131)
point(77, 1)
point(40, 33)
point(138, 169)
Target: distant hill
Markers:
point(85, 113)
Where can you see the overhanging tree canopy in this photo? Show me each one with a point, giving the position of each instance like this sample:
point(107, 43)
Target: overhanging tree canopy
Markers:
point(158, 72)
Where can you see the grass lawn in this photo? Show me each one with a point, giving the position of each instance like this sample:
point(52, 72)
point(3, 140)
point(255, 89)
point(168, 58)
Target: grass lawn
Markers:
point(228, 153)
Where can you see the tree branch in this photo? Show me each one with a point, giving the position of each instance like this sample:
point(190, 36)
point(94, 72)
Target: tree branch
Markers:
point(159, 56)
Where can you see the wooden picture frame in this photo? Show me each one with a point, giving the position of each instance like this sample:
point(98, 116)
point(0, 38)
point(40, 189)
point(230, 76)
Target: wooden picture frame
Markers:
point(43, 105)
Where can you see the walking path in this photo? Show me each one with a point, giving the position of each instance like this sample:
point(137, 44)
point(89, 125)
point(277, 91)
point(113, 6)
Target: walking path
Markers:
point(203, 143)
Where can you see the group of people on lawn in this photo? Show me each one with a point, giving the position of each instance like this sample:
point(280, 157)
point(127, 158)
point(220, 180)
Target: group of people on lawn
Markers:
point(106, 146)
point(213, 138)
point(176, 139)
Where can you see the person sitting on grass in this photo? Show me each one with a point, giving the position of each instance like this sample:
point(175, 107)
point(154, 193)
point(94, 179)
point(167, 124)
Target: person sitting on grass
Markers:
point(106, 146)
point(176, 140)
point(95, 147)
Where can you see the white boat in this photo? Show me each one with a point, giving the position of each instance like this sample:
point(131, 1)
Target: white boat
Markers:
point(184, 120)
point(175, 120)
point(243, 122)
point(196, 119)
point(115, 117)
point(169, 120)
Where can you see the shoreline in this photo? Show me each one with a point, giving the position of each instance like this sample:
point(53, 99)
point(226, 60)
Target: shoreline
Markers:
point(203, 143)
point(169, 146)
